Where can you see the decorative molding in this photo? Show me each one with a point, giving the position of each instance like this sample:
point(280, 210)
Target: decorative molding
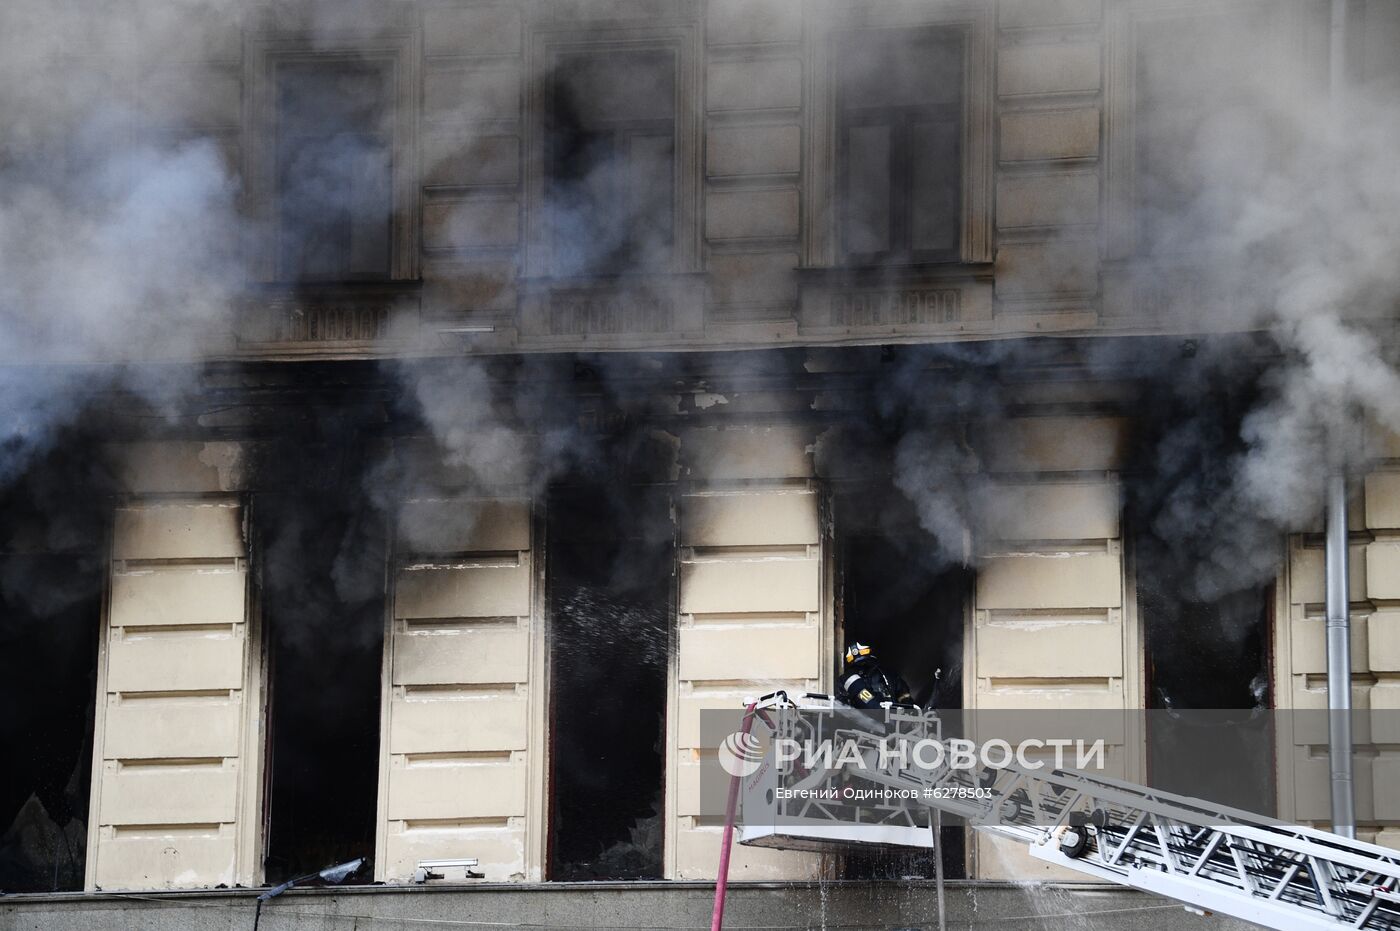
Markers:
point(909, 299)
point(617, 310)
point(333, 319)
point(917, 306)
point(595, 313)
point(828, 19)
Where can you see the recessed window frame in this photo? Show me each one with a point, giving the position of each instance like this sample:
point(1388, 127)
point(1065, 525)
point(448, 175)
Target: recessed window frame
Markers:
point(1123, 26)
point(616, 135)
point(829, 21)
point(549, 43)
point(902, 122)
point(398, 50)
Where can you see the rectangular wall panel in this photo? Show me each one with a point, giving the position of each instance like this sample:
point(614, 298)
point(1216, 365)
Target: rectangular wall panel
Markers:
point(752, 619)
point(461, 649)
point(176, 793)
point(1049, 629)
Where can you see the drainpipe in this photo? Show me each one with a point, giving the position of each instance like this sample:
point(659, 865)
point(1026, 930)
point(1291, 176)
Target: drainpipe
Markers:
point(1339, 744)
point(1339, 737)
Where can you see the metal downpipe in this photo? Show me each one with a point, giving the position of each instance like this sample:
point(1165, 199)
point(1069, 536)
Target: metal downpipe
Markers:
point(1339, 718)
point(1339, 737)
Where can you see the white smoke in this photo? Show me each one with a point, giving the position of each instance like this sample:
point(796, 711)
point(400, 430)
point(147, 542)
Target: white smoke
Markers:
point(122, 245)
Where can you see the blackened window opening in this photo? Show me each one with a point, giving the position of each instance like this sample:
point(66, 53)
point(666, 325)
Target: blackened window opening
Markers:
point(53, 524)
point(322, 557)
point(900, 100)
point(908, 604)
point(612, 162)
point(1204, 564)
point(611, 554)
point(334, 164)
point(1208, 684)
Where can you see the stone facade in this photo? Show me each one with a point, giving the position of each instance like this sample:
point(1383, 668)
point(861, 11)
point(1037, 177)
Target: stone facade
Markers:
point(1046, 138)
point(1044, 230)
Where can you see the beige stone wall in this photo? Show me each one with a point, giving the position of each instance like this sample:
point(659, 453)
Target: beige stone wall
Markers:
point(1301, 682)
point(461, 772)
point(1301, 659)
point(1050, 173)
point(754, 616)
point(1053, 622)
point(1049, 130)
point(1381, 637)
point(177, 779)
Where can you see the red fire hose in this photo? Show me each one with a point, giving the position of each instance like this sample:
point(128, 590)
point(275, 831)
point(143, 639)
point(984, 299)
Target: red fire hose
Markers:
point(727, 842)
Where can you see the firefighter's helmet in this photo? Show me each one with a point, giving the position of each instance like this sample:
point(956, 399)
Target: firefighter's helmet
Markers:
point(858, 652)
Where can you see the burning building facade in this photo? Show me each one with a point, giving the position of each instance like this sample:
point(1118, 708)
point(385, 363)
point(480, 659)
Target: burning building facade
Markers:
point(418, 412)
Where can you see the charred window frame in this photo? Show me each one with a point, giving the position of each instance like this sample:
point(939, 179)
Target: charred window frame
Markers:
point(899, 146)
point(828, 62)
point(610, 585)
point(554, 48)
point(321, 558)
point(911, 605)
point(1204, 572)
point(611, 563)
point(1209, 682)
point(278, 155)
point(53, 565)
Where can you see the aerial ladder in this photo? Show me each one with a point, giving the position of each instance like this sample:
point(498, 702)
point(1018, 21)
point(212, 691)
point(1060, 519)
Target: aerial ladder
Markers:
point(1211, 859)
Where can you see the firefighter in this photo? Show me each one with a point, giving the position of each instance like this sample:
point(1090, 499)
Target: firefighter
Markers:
point(866, 685)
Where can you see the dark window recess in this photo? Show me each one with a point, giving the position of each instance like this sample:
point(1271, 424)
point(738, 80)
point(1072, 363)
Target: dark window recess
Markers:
point(909, 605)
point(611, 554)
point(334, 164)
point(53, 524)
point(322, 569)
point(1204, 566)
point(900, 98)
point(612, 162)
point(1208, 684)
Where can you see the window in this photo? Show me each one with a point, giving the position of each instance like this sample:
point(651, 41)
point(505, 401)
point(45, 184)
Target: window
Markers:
point(1207, 654)
point(1203, 570)
point(331, 147)
point(323, 557)
point(899, 145)
point(1195, 124)
point(334, 171)
point(52, 573)
point(1196, 131)
point(611, 153)
point(898, 595)
point(611, 559)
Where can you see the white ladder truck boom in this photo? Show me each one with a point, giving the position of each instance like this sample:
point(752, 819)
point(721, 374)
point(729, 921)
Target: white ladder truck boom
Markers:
point(1209, 858)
